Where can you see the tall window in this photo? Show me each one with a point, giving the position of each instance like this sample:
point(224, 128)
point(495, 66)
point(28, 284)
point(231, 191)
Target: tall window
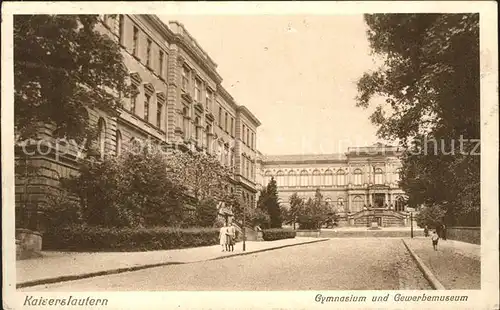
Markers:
point(399, 204)
point(160, 63)
point(118, 142)
point(397, 175)
point(146, 107)
point(340, 203)
point(280, 178)
point(292, 179)
point(243, 135)
point(208, 132)
point(133, 99)
point(148, 53)
point(225, 122)
point(248, 168)
point(197, 90)
point(185, 78)
point(101, 138)
point(267, 177)
point(379, 174)
point(197, 132)
point(185, 122)
point(159, 108)
point(252, 144)
point(232, 126)
point(316, 178)
point(121, 29)
point(135, 41)
point(303, 178)
point(328, 177)
point(208, 102)
point(358, 174)
point(248, 136)
point(220, 116)
point(340, 177)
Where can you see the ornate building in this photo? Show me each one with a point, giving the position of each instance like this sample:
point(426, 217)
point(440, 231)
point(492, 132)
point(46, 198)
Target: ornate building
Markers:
point(179, 102)
point(361, 184)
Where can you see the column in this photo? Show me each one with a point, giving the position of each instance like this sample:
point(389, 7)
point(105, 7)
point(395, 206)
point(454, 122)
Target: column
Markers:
point(385, 200)
point(366, 199)
point(370, 196)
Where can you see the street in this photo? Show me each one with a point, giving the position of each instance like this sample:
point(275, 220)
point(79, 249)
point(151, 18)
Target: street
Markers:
point(336, 264)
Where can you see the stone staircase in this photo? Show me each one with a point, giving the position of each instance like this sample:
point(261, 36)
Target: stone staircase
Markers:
point(251, 234)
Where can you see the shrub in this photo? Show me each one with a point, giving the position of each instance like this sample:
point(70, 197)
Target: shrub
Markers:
point(277, 234)
point(206, 213)
point(93, 238)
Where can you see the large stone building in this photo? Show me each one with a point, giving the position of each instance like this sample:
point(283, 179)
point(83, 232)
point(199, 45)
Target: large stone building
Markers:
point(179, 102)
point(361, 184)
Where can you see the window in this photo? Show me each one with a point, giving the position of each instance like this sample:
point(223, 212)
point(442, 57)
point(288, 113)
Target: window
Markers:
point(316, 178)
point(280, 178)
point(358, 174)
point(248, 169)
point(197, 130)
point(101, 138)
point(225, 122)
point(303, 180)
point(185, 78)
point(292, 178)
point(248, 136)
point(267, 177)
point(399, 204)
point(397, 175)
point(220, 116)
point(133, 99)
point(160, 63)
point(379, 174)
point(328, 177)
point(243, 135)
point(340, 203)
point(148, 53)
point(135, 41)
point(252, 144)
point(118, 143)
point(185, 122)
point(208, 102)
point(146, 107)
point(340, 178)
point(159, 108)
point(208, 132)
point(232, 126)
point(197, 90)
point(243, 165)
point(121, 29)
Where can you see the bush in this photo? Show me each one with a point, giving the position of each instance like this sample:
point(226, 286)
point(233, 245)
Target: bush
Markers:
point(92, 238)
point(206, 213)
point(277, 234)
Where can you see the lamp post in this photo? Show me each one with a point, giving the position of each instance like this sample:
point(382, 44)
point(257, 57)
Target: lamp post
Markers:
point(411, 224)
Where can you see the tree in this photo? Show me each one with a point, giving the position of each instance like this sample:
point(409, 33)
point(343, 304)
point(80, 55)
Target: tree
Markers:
point(201, 173)
point(296, 206)
point(206, 213)
point(63, 65)
point(314, 213)
point(430, 216)
point(269, 202)
point(430, 82)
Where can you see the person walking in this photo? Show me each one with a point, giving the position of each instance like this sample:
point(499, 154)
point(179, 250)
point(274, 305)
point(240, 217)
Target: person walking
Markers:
point(232, 237)
point(223, 238)
point(443, 231)
point(434, 238)
point(426, 231)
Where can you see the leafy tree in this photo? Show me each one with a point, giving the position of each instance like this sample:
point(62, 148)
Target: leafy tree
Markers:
point(430, 82)
point(432, 216)
point(314, 213)
point(62, 65)
point(201, 173)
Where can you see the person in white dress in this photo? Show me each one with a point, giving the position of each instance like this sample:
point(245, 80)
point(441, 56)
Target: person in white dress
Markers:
point(223, 237)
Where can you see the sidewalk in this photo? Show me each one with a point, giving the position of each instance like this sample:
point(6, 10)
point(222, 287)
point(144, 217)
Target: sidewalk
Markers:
point(64, 266)
point(456, 265)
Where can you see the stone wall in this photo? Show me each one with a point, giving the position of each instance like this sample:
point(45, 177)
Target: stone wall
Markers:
point(308, 233)
point(465, 234)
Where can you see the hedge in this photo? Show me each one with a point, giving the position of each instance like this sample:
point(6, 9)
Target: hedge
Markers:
point(277, 234)
point(92, 238)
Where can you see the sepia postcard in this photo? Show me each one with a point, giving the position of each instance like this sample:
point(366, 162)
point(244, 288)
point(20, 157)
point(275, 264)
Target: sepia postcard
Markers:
point(250, 155)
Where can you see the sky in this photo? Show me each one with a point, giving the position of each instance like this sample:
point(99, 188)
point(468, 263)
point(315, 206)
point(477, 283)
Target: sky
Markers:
point(297, 74)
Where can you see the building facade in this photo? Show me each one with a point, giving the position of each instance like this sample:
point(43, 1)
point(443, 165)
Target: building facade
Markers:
point(361, 185)
point(179, 102)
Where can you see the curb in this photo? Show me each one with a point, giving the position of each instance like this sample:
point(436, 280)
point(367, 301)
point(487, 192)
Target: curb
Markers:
point(429, 276)
point(135, 268)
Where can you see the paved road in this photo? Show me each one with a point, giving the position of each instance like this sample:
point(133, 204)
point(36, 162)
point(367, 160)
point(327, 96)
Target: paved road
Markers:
point(336, 264)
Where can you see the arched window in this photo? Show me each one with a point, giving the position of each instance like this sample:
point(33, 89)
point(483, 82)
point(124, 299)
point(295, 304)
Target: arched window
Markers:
point(292, 178)
point(340, 177)
point(328, 177)
point(379, 174)
point(357, 204)
point(316, 178)
point(101, 138)
point(303, 178)
point(358, 174)
point(397, 175)
point(118, 143)
point(280, 178)
point(340, 203)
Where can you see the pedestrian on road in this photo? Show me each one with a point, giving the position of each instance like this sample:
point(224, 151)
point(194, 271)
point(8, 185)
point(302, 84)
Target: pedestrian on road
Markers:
point(223, 238)
point(443, 229)
point(426, 231)
point(232, 237)
point(434, 239)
